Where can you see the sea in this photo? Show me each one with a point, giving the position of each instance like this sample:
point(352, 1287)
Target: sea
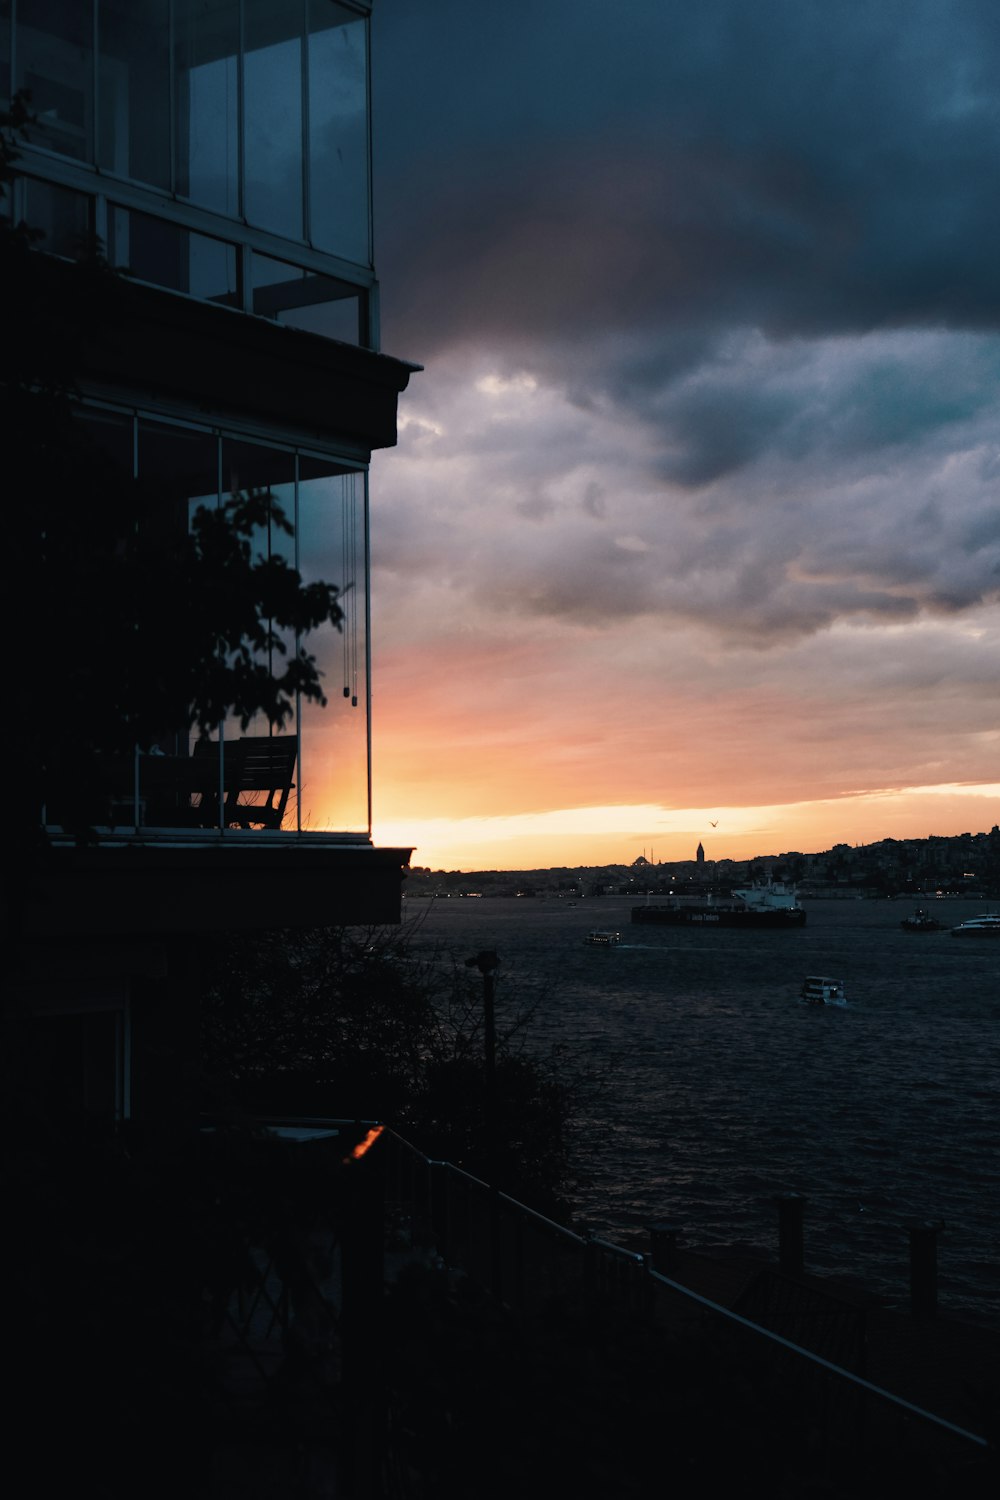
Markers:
point(721, 1091)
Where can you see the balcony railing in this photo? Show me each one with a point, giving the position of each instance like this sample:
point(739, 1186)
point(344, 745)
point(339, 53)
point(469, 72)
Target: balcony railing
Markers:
point(389, 1210)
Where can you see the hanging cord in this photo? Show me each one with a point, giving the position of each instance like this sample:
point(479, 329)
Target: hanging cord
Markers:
point(270, 623)
point(354, 591)
point(349, 592)
point(345, 623)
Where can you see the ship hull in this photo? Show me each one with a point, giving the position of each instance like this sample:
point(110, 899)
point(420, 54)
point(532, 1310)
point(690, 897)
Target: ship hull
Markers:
point(780, 919)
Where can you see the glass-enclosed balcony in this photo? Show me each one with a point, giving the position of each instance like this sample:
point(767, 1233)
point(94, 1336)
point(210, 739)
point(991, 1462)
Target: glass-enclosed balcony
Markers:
point(219, 148)
point(243, 777)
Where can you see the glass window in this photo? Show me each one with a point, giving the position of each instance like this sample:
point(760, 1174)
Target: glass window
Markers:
point(262, 755)
point(55, 65)
point(83, 510)
point(302, 299)
point(206, 103)
point(336, 319)
point(157, 251)
point(178, 470)
point(332, 546)
point(134, 89)
point(5, 79)
point(272, 104)
point(64, 217)
point(309, 770)
point(338, 131)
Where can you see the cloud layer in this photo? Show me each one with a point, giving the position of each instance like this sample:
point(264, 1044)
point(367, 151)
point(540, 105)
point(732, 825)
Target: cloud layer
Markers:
point(706, 446)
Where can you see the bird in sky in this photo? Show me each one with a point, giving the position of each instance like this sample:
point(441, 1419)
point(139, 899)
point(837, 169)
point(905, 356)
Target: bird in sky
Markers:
point(714, 825)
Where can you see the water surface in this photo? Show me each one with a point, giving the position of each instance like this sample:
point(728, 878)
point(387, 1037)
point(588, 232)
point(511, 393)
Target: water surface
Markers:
point(724, 1090)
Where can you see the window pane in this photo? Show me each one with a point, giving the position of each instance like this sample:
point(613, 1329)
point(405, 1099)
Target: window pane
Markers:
point(5, 79)
point(55, 66)
point(338, 131)
point(272, 91)
point(178, 470)
point(82, 508)
point(335, 738)
point(206, 106)
point(303, 299)
point(134, 82)
point(262, 755)
point(157, 251)
point(62, 216)
point(332, 320)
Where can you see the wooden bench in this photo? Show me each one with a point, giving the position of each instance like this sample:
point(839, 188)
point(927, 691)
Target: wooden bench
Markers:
point(253, 764)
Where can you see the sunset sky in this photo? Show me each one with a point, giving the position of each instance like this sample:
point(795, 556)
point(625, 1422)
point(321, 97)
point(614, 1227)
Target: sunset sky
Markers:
point(695, 512)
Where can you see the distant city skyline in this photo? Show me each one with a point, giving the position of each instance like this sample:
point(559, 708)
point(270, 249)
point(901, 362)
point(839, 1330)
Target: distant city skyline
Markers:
point(970, 856)
point(693, 513)
point(603, 836)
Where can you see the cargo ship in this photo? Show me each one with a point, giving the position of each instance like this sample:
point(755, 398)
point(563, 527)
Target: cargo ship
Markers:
point(771, 906)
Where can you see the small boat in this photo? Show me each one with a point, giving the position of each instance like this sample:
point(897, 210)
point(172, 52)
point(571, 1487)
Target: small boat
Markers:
point(920, 922)
point(602, 937)
point(986, 926)
point(818, 989)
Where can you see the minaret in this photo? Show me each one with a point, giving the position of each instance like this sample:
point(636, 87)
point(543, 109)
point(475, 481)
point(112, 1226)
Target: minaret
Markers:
point(700, 855)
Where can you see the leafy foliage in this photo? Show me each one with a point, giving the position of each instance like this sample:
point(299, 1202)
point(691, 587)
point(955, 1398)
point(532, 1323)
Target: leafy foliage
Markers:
point(356, 1023)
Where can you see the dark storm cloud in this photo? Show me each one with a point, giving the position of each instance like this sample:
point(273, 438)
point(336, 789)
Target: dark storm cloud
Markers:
point(706, 446)
point(747, 400)
point(748, 250)
point(768, 495)
point(556, 172)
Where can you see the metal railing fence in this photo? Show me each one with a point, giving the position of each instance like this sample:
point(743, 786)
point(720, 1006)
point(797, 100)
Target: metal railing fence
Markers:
point(527, 1261)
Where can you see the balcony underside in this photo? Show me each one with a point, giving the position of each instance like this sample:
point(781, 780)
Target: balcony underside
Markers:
point(210, 359)
point(154, 889)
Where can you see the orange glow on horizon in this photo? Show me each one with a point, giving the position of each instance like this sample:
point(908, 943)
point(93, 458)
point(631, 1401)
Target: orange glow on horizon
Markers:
point(615, 835)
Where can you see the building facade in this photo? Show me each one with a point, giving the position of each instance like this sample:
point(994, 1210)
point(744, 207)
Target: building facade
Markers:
point(220, 153)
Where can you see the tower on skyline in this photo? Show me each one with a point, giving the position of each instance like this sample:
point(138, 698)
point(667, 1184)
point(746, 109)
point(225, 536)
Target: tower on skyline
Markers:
point(700, 854)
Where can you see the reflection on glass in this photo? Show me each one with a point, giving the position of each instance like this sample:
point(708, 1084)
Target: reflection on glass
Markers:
point(303, 299)
point(335, 739)
point(5, 84)
point(55, 65)
point(206, 103)
point(212, 270)
point(62, 216)
point(163, 253)
point(262, 755)
point(308, 771)
point(339, 319)
point(134, 80)
point(178, 470)
point(338, 131)
point(272, 93)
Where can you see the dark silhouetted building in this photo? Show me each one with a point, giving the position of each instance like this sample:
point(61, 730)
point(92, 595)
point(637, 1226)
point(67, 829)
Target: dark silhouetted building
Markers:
point(220, 152)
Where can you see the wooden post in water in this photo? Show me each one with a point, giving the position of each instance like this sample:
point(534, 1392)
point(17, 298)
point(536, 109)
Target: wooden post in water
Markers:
point(923, 1267)
point(791, 1212)
point(663, 1239)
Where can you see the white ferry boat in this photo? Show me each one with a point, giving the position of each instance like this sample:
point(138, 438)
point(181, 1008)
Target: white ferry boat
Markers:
point(819, 989)
point(773, 906)
point(985, 926)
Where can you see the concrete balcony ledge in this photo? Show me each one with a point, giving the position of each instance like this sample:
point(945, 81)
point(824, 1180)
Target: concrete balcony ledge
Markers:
point(211, 884)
